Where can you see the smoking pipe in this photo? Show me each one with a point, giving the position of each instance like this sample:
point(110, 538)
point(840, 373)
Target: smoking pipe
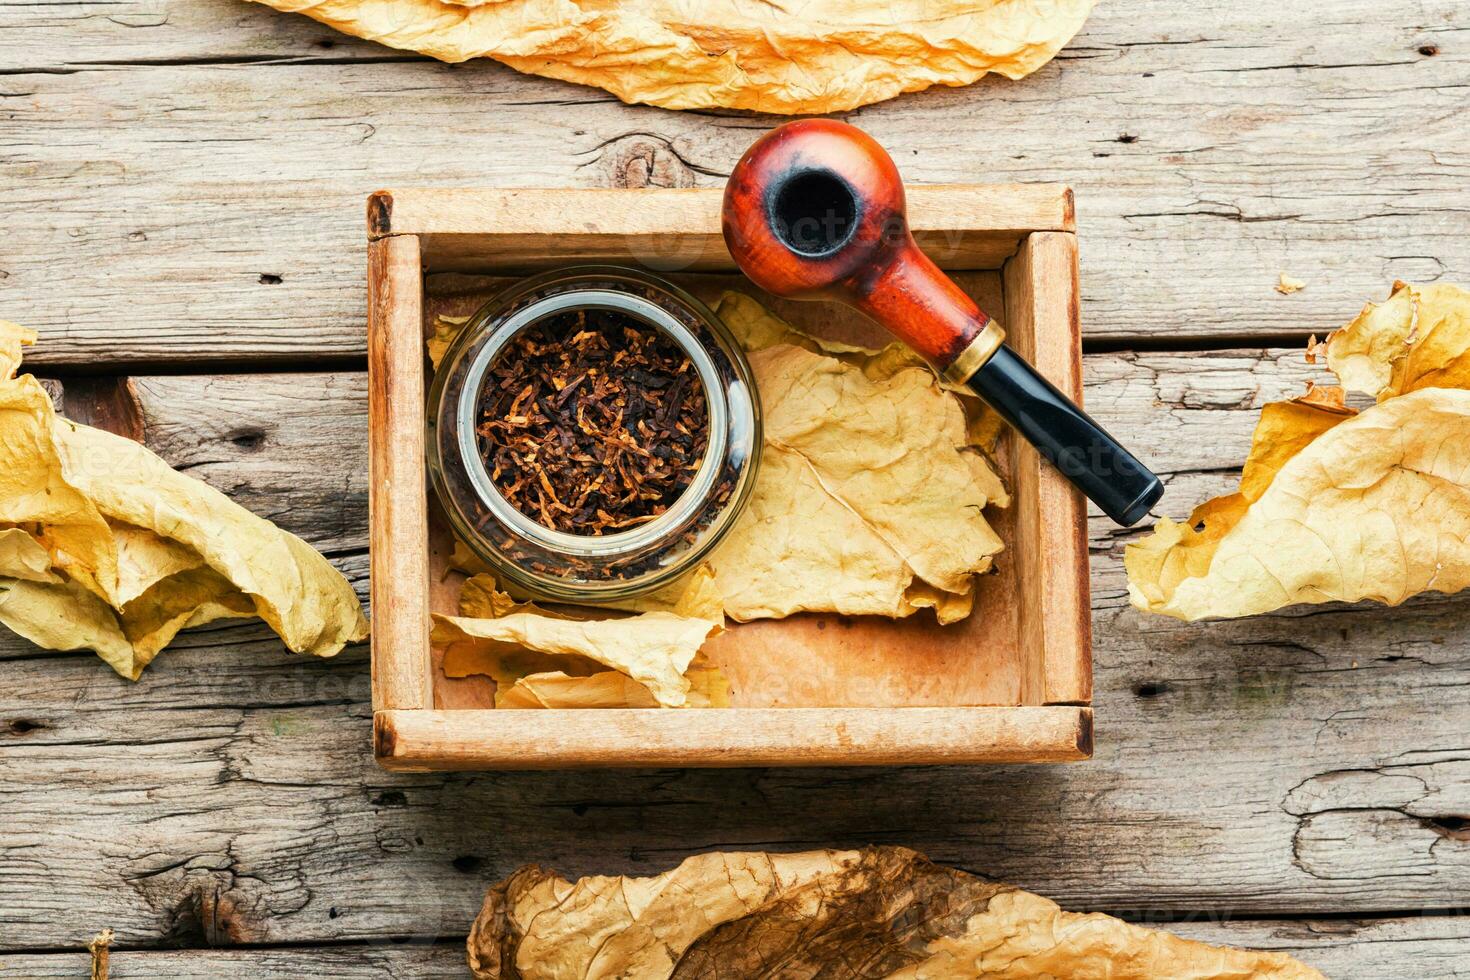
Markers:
point(815, 210)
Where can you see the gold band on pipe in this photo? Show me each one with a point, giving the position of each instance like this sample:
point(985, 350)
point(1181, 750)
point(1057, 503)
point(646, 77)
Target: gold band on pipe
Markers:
point(973, 357)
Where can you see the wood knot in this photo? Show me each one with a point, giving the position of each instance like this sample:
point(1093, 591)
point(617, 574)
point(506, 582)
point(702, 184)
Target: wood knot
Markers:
point(642, 160)
point(248, 439)
point(380, 214)
point(1151, 690)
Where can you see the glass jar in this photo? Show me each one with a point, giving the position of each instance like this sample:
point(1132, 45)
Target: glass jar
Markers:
point(593, 568)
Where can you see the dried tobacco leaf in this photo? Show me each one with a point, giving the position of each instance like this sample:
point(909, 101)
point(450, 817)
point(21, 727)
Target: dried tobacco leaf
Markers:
point(1286, 285)
point(823, 56)
point(1419, 338)
point(136, 552)
point(871, 491)
point(542, 658)
point(1336, 505)
point(878, 912)
point(609, 689)
point(446, 328)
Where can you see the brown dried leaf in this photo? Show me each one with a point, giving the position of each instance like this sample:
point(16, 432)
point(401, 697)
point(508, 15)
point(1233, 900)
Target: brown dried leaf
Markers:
point(878, 912)
point(821, 56)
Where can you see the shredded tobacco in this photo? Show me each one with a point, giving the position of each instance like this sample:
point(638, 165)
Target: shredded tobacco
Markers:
point(592, 422)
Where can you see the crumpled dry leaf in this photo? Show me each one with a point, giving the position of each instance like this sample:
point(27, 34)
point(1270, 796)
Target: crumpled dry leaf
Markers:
point(542, 658)
point(878, 912)
point(823, 56)
point(609, 689)
point(870, 495)
point(1336, 505)
point(1286, 285)
point(446, 328)
point(136, 552)
point(1419, 338)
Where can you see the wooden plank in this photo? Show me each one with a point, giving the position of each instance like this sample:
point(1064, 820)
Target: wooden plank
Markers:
point(1432, 947)
point(410, 741)
point(1051, 517)
point(398, 494)
point(414, 962)
point(678, 229)
point(289, 447)
point(1420, 948)
point(1181, 129)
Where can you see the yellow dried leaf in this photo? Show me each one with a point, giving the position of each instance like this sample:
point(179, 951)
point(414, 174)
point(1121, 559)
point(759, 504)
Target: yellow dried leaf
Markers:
point(1362, 353)
point(144, 559)
point(817, 914)
point(13, 337)
point(823, 56)
point(1419, 338)
point(870, 493)
point(608, 689)
point(545, 658)
point(756, 328)
point(1286, 285)
point(292, 587)
point(22, 557)
point(446, 328)
point(135, 551)
point(481, 598)
point(1335, 505)
point(462, 559)
point(653, 648)
point(1021, 936)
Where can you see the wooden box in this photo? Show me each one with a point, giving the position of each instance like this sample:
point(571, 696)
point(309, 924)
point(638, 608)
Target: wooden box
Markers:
point(1012, 683)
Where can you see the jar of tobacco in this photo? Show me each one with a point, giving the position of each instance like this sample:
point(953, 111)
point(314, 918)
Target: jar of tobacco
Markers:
point(593, 433)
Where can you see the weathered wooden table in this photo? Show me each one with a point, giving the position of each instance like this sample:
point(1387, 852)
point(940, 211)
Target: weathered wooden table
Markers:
point(182, 185)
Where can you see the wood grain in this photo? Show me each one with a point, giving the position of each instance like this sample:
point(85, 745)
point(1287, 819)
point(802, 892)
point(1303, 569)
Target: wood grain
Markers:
point(678, 230)
point(398, 497)
point(1385, 949)
point(411, 741)
point(1051, 515)
point(1241, 769)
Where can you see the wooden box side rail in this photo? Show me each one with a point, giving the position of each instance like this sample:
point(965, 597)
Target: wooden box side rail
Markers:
point(397, 494)
point(564, 739)
point(1041, 298)
point(671, 230)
